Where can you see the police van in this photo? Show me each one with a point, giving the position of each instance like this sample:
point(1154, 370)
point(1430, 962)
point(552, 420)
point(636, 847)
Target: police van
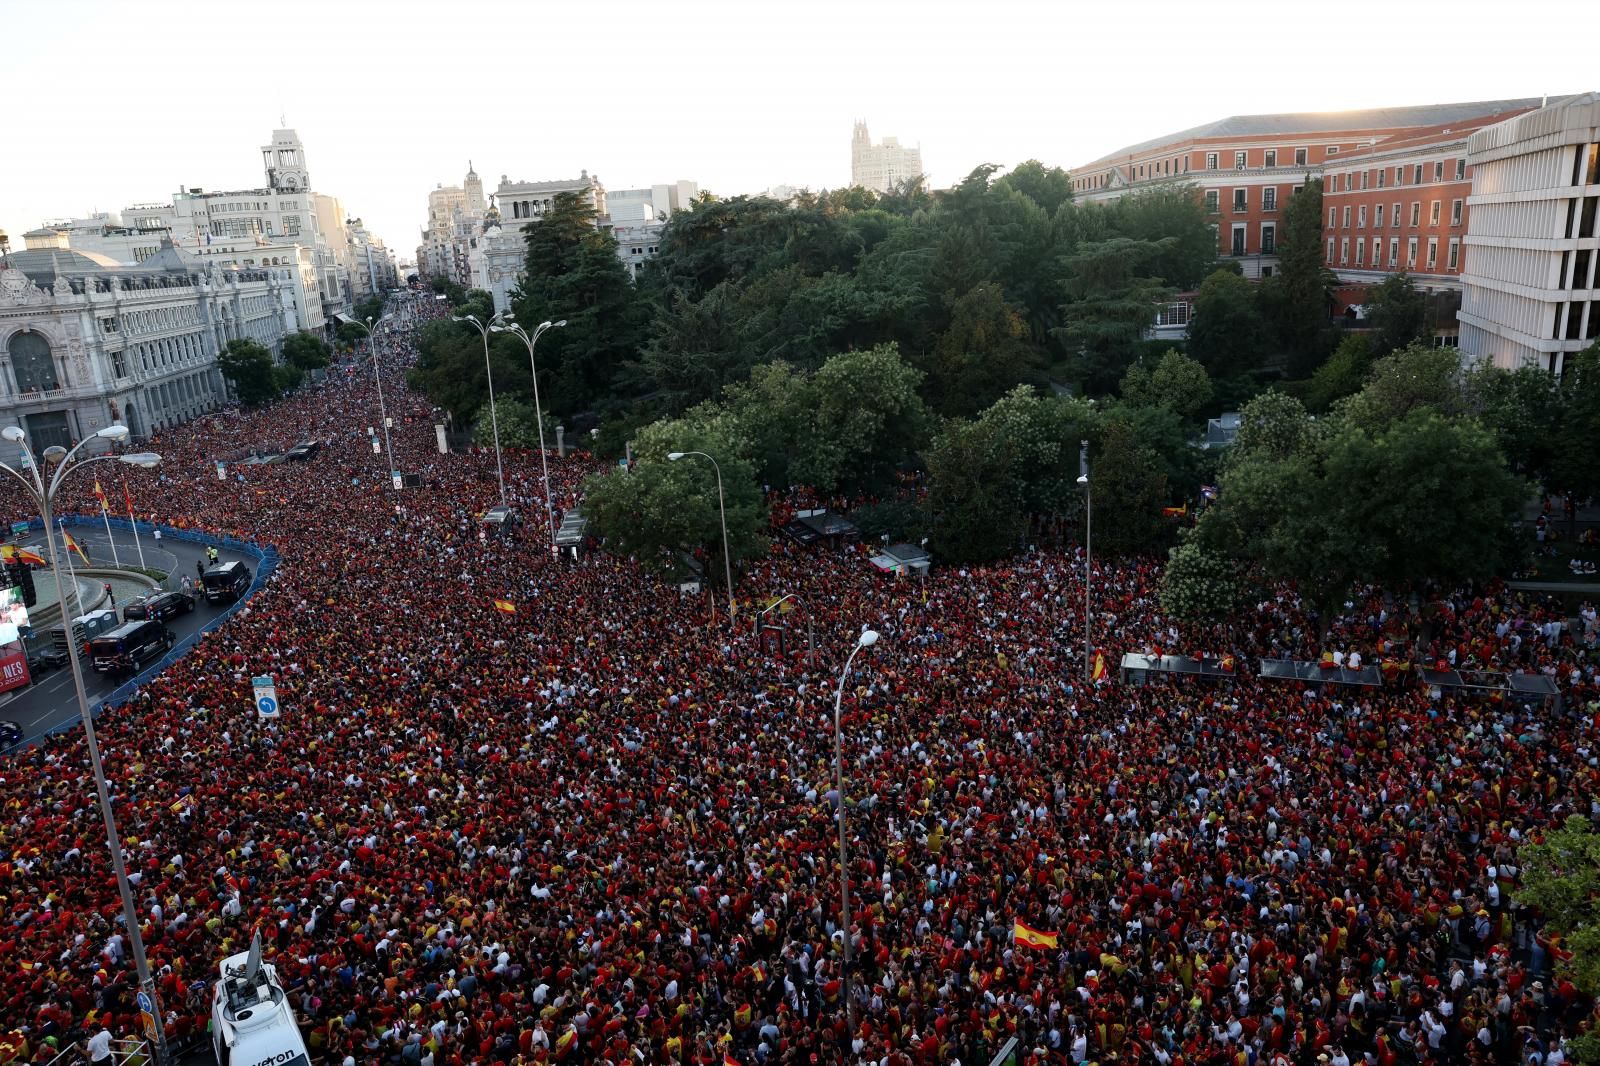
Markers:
point(225, 581)
point(252, 1023)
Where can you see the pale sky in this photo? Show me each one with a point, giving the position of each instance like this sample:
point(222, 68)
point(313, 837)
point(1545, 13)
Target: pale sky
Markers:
point(111, 102)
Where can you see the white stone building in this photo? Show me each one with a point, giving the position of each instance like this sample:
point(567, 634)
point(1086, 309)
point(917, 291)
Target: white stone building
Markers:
point(1531, 293)
point(102, 233)
point(86, 342)
point(521, 202)
point(882, 167)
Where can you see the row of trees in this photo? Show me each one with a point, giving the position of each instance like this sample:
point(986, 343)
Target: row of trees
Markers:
point(257, 379)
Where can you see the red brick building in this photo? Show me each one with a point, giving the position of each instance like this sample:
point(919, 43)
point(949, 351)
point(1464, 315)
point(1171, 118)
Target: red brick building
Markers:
point(1248, 166)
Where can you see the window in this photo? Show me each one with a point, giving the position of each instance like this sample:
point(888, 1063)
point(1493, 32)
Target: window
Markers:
point(1173, 314)
point(1344, 251)
point(1580, 271)
point(1438, 171)
point(1433, 213)
point(1271, 158)
point(1269, 198)
point(1269, 239)
point(1377, 252)
point(1211, 201)
point(1394, 216)
point(1239, 160)
point(1361, 252)
point(1238, 239)
point(1416, 174)
point(1383, 173)
point(1454, 262)
point(1332, 149)
point(1299, 157)
point(1455, 212)
point(32, 363)
point(1364, 174)
point(1411, 253)
point(119, 366)
point(1433, 252)
point(1333, 218)
point(1377, 217)
point(108, 325)
point(1241, 201)
point(1394, 252)
point(1361, 217)
point(1589, 161)
point(1345, 218)
point(1461, 169)
point(1330, 251)
point(1416, 212)
point(1399, 176)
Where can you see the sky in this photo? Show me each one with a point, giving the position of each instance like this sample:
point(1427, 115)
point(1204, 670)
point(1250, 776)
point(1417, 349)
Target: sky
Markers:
point(114, 102)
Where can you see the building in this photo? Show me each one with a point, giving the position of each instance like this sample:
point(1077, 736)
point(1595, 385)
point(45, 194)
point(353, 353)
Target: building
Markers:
point(86, 342)
point(437, 255)
point(656, 203)
point(373, 269)
point(882, 167)
point(1247, 166)
point(637, 243)
point(527, 201)
point(101, 233)
point(1401, 205)
point(1531, 295)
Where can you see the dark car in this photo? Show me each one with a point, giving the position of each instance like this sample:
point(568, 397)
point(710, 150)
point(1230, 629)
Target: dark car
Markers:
point(160, 606)
point(225, 581)
point(128, 648)
point(10, 734)
point(42, 660)
point(307, 449)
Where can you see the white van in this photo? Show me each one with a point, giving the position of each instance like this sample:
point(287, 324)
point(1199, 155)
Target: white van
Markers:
point(252, 1023)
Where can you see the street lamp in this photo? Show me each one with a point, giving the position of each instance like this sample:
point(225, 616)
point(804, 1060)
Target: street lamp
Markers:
point(43, 494)
point(722, 509)
point(383, 412)
point(515, 329)
point(867, 639)
point(483, 329)
point(811, 641)
point(1088, 559)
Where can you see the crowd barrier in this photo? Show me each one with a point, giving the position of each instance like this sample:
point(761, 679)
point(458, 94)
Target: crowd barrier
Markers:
point(266, 564)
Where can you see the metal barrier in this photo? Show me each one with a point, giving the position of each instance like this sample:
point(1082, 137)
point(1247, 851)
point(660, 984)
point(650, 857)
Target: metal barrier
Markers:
point(123, 1053)
point(266, 559)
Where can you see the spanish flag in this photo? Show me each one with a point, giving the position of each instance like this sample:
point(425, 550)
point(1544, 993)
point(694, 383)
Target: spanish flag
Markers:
point(505, 606)
point(1028, 936)
point(1099, 670)
point(100, 494)
point(29, 556)
point(72, 545)
point(1227, 663)
point(1175, 512)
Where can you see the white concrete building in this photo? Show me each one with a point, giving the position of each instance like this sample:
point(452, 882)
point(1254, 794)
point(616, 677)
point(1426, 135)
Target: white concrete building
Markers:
point(86, 342)
point(881, 167)
point(102, 233)
point(657, 203)
point(1531, 294)
point(525, 201)
point(636, 243)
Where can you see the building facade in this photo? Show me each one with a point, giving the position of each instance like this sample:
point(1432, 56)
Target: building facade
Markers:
point(1247, 166)
point(657, 203)
point(1531, 295)
point(84, 344)
point(882, 167)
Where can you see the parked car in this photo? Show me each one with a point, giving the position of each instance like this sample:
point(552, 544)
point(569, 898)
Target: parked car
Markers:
point(160, 606)
point(10, 735)
point(41, 660)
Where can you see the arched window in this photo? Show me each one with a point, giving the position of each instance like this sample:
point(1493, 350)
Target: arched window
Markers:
point(32, 365)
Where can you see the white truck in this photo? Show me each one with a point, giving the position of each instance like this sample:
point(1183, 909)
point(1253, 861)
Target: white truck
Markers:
point(252, 1023)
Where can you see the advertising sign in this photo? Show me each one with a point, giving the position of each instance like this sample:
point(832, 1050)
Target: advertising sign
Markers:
point(13, 668)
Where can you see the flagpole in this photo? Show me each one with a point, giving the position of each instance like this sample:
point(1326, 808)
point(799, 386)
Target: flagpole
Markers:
point(106, 516)
point(71, 574)
point(134, 522)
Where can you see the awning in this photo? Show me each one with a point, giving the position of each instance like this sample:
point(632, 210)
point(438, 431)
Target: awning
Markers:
point(343, 319)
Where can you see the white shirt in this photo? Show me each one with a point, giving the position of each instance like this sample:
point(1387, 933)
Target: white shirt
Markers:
point(99, 1046)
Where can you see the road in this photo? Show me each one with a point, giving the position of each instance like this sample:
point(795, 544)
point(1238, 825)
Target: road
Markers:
point(49, 702)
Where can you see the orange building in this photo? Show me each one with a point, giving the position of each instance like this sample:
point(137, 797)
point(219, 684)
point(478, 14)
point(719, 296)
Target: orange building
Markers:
point(1247, 166)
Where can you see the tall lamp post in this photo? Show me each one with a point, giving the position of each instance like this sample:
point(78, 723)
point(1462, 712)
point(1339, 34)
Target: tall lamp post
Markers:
point(722, 509)
point(483, 329)
point(42, 488)
point(868, 638)
point(1088, 558)
point(516, 330)
point(383, 412)
point(811, 640)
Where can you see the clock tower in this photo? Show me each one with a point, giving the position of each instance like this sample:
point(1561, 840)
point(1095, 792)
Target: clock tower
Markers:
point(285, 162)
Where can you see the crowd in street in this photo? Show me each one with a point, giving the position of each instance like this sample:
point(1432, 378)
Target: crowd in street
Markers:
point(602, 828)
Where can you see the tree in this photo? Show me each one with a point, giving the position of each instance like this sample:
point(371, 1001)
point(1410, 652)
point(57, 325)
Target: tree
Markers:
point(1571, 467)
point(1174, 382)
point(350, 334)
point(1172, 219)
point(1561, 877)
point(661, 507)
point(1412, 377)
point(1398, 311)
point(974, 501)
point(305, 351)
point(1129, 491)
point(1109, 306)
point(518, 426)
point(1343, 373)
point(248, 368)
point(983, 353)
point(1228, 335)
point(1525, 409)
point(1199, 585)
point(1299, 294)
point(867, 420)
point(1049, 187)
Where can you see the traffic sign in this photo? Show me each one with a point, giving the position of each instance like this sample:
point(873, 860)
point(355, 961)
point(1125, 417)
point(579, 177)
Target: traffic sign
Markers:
point(266, 692)
point(145, 1003)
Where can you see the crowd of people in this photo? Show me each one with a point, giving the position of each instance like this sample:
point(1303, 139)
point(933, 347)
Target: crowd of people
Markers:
point(602, 827)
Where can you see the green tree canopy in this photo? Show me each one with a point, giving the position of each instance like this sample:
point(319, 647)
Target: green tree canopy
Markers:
point(1397, 311)
point(249, 369)
point(1561, 877)
point(305, 351)
point(1228, 334)
point(1174, 382)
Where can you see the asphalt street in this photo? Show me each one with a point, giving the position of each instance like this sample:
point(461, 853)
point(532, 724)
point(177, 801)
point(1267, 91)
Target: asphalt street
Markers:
point(49, 701)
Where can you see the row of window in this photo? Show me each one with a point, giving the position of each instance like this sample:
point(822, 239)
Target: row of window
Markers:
point(1269, 239)
point(1452, 262)
point(151, 319)
point(1348, 180)
point(1241, 199)
point(1341, 220)
point(1570, 324)
point(1179, 164)
point(1581, 219)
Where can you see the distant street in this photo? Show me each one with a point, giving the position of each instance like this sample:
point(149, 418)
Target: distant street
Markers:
point(49, 701)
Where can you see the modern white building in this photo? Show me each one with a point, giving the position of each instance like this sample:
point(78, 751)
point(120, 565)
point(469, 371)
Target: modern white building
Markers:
point(102, 233)
point(657, 203)
point(86, 342)
point(882, 167)
point(1531, 294)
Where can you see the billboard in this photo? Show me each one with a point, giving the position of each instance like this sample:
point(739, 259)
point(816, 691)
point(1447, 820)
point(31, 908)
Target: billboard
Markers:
point(13, 615)
point(13, 668)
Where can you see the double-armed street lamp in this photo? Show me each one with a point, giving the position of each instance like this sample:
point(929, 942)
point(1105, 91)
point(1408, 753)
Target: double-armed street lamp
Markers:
point(42, 486)
point(723, 511)
point(383, 412)
point(507, 324)
point(484, 329)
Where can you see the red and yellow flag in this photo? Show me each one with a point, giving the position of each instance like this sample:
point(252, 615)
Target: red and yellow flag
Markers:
point(729, 1060)
point(73, 545)
point(1028, 936)
point(100, 494)
point(1175, 512)
point(505, 606)
point(29, 556)
point(1099, 671)
point(127, 498)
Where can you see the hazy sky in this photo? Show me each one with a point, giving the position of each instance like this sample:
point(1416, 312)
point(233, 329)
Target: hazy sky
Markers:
point(120, 101)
